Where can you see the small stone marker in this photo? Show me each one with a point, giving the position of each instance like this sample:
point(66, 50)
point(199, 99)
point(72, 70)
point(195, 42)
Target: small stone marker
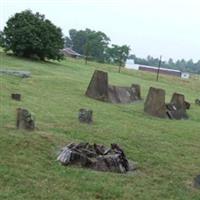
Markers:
point(16, 96)
point(85, 116)
point(197, 101)
point(196, 182)
point(187, 105)
point(25, 119)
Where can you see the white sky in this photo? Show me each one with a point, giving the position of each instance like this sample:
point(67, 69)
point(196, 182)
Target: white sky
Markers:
point(150, 27)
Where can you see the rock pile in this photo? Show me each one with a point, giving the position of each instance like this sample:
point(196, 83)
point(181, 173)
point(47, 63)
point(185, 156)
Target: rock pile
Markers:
point(96, 157)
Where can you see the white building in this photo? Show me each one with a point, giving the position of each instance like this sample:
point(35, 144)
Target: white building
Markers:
point(130, 64)
point(185, 75)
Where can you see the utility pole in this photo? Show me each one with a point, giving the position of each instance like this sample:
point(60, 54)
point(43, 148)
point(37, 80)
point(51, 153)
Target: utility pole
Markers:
point(158, 71)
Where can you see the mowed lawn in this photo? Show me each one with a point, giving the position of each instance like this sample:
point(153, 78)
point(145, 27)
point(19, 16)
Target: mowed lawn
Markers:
point(167, 152)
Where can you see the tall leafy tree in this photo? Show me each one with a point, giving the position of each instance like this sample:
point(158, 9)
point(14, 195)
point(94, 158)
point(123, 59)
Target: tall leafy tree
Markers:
point(87, 42)
point(118, 54)
point(28, 34)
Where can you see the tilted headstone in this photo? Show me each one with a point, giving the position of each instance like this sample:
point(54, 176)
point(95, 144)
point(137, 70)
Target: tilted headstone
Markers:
point(155, 103)
point(16, 96)
point(98, 86)
point(85, 116)
point(25, 120)
point(176, 109)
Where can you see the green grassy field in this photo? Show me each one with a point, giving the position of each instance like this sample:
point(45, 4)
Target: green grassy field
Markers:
point(167, 151)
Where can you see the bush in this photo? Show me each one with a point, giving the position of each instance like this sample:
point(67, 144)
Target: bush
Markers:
point(28, 34)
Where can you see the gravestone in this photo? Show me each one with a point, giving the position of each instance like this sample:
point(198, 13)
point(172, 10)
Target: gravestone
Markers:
point(187, 105)
point(197, 101)
point(85, 116)
point(25, 119)
point(155, 103)
point(100, 89)
point(196, 182)
point(98, 86)
point(176, 109)
point(16, 96)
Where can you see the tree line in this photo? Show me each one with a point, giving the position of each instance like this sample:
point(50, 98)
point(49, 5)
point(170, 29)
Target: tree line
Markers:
point(180, 64)
point(29, 34)
point(95, 45)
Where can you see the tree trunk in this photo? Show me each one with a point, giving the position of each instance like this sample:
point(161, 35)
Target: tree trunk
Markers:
point(86, 59)
point(119, 69)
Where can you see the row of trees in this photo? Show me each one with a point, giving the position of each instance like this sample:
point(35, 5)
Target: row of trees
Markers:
point(31, 35)
point(183, 65)
point(95, 45)
point(28, 34)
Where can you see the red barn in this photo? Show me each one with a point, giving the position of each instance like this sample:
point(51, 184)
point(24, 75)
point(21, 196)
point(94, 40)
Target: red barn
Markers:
point(165, 71)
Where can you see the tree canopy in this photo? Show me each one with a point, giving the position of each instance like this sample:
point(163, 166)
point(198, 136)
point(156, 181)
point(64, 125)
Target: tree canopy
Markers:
point(87, 42)
point(118, 54)
point(28, 34)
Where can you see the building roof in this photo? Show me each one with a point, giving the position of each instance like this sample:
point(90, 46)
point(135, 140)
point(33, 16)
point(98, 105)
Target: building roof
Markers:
point(69, 51)
point(164, 69)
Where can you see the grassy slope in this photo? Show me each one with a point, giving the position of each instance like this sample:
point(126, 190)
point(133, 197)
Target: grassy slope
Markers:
point(167, 151)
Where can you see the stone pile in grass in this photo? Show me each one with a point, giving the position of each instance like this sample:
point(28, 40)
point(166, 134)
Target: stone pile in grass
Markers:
point(96, 157)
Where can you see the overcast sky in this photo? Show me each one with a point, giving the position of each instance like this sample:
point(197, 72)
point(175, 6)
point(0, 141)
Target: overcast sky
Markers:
point(150, 27)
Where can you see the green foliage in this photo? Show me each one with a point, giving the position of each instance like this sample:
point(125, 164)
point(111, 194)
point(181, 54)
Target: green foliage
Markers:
point(87, 42)
point(28, 34)
point(94, 46)
point(118, 54)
